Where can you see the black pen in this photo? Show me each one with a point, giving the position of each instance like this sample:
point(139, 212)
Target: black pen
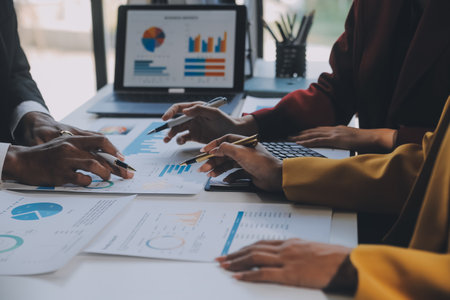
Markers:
point(216, 102)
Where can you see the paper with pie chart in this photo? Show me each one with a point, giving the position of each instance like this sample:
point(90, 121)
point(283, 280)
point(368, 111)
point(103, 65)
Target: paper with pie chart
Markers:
point(202, 231)
point(41, 234)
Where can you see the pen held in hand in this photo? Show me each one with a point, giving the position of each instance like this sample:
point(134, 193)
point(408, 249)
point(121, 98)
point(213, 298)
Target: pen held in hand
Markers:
point(250, 141)
point(114, 161)
point(216, 102)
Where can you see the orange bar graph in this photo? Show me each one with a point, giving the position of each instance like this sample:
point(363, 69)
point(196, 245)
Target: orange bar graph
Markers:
point(210, 44)
point(223, 44)
point(215, 60)
point(215, 67)
point(197, 43)
point(215, 74)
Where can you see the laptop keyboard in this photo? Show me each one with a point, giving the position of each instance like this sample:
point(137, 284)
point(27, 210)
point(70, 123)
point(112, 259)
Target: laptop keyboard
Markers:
point(167, 98)
point(282, 150)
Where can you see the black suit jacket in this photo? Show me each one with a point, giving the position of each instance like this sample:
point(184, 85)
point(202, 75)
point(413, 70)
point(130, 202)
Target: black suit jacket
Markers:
point(16, 84)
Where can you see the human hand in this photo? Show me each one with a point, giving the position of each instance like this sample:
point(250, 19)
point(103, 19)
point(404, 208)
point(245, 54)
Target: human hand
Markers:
point(348, 138)
point(36, 128)
point(57, 162)
point(209, 123)
point(257, 163)
point(291, 262)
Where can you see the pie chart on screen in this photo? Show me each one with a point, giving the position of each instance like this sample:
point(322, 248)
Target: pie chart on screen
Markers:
point(153, 38)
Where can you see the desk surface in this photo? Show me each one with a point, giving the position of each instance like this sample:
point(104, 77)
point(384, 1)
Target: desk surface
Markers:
point(90, 276)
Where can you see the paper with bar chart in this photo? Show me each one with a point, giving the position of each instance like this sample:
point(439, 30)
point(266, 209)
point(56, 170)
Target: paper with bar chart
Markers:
point(180, 49)
point(156, 162)
point(202, 231)
point(41, 234)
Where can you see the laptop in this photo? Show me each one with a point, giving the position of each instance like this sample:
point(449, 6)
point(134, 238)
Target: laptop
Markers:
point(176, 53)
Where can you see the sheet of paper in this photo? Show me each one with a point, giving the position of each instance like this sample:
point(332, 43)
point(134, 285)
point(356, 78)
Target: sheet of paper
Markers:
point(252, 104)
point(156, 162)
point(203, 231)
point(41, 234)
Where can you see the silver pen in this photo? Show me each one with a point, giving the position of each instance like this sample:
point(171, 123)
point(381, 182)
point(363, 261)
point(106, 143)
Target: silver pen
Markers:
point(216, 102)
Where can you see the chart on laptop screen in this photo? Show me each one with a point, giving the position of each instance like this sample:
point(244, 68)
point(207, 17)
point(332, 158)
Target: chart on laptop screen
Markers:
point(179, 48)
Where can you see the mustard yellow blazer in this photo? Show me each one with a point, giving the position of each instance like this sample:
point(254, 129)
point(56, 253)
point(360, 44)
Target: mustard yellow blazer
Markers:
point(412, 181)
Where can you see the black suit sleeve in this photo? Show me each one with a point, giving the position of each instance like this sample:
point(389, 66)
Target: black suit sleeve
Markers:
point(16, 83)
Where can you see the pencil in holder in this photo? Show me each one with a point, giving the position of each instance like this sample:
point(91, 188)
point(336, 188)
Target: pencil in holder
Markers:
point(290, 60)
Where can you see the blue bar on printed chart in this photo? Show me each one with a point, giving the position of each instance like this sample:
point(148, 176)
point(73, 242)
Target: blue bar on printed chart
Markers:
point(233, 231)
point(146, 144)
point(174, 170)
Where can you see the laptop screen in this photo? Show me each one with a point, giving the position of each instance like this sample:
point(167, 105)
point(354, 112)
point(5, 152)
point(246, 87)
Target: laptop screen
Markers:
point(167, 48)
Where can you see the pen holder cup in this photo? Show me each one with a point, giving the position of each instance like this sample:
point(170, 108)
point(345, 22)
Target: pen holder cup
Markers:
point(290, 60)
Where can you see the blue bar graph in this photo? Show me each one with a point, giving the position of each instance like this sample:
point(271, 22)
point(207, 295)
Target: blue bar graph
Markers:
point(145, 68)
point(174, 170)
point(233, 231)
point(146, 144)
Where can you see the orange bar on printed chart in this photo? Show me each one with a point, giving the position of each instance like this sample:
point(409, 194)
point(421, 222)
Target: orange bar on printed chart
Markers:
point(197, 43)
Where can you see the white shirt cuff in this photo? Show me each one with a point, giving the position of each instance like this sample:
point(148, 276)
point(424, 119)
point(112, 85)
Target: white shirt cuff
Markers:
point(24, 108)
point(3, 150)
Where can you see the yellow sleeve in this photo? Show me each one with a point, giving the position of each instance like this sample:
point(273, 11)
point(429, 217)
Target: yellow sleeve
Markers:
point(372, 182)
point(386, 272)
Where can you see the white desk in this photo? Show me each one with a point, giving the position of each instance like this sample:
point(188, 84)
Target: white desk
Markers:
point(114, 277)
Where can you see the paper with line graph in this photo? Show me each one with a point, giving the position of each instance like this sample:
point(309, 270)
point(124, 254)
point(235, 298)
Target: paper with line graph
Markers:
point(199, 231)
point(157, 164)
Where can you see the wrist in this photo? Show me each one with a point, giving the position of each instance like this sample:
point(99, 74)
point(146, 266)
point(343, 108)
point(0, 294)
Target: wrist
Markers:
point(385, 138)
point(246, 125)
point(345, 280)
point(31, 120)
point(12, 166)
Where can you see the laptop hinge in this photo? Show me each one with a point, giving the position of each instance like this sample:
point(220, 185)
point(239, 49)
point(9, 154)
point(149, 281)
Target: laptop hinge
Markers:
point(176, 91)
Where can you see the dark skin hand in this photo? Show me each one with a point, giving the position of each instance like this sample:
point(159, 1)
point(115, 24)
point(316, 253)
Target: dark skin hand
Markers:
point(257, 163)
point(36, 128)
point(291, 262)
point(348, 138)
point(57, 162)
point(209, 123)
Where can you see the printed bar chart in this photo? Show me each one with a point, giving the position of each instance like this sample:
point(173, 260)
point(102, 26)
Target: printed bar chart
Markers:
point(174, 169)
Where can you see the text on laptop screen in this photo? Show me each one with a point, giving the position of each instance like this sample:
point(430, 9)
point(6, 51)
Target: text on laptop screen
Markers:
point(176, 48)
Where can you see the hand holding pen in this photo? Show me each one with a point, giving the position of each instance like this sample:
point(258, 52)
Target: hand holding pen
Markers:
point(216, 102)
point(205, 123)
point(250, 141)
point(110, 159)
point(254, 161)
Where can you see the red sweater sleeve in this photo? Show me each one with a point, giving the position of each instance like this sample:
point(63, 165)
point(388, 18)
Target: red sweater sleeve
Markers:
point(330, 101)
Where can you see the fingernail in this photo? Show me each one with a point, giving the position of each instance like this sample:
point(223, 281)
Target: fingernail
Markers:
point(225, 264)
point(213, 151)
point(220, 258)
point(202, 149)
point(130, 174)
point(120, 156)
point(237, 276)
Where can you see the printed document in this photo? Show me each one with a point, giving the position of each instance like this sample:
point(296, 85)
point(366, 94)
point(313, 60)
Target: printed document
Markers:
point(197, 231)
point(41, 234)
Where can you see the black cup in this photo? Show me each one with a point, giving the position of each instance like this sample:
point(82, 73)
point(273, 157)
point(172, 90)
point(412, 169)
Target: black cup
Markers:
point(290, 60)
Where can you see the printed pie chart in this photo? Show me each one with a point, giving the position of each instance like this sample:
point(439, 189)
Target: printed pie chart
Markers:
point(9, 242)
point(36, 211)
point(153, 38)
